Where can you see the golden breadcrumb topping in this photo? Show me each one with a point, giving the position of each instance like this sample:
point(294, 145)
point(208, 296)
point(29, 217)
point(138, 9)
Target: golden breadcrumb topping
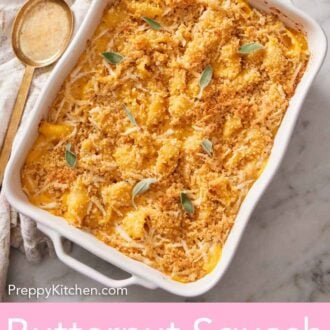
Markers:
point(166, 121)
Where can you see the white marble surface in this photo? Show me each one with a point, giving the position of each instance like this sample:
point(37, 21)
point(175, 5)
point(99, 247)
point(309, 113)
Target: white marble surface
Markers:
point(285, 252)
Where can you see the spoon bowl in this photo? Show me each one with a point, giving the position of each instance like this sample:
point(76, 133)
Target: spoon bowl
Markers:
point(42, 31)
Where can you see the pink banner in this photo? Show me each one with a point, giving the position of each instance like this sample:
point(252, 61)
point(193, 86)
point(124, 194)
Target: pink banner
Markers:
point(164, 316)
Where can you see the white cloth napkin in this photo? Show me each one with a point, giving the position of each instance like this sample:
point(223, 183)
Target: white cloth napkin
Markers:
point(17, 230)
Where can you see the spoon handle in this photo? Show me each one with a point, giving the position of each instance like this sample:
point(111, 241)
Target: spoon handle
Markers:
point(15, 118)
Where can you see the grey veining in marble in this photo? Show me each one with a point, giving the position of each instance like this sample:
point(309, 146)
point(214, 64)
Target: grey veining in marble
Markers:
point(285, 252)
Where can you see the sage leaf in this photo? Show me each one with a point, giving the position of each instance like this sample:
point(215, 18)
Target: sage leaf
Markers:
point(70, 157)
point(207, 146)
point(113, 58)
point(152, 23)
point(205, 80)
point(250, 48)
point(186, 203)
point(130, 116)
point(141, 187)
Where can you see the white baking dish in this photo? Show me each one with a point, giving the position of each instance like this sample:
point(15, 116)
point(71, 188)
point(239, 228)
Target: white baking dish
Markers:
point(141, 274)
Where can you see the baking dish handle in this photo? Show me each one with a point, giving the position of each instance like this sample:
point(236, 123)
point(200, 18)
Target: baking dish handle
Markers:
point(87, 270)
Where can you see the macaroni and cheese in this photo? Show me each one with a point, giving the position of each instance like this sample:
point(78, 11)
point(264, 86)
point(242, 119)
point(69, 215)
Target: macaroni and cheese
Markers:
point(164, 124)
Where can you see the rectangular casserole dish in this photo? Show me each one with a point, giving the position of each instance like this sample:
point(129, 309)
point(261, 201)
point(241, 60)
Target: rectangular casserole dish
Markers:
point(142, 274)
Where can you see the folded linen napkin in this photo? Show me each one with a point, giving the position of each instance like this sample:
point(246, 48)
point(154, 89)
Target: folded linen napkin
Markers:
point(17, 230)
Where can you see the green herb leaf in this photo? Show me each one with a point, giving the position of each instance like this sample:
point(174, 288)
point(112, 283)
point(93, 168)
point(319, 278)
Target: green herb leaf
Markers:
point(250, 48)
point(130, 116)
point(207, 146)
point(153, 24)
point(141, 188)
point(113, 58)
point(186, 203)
point(205, 80)
point(70, 157)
